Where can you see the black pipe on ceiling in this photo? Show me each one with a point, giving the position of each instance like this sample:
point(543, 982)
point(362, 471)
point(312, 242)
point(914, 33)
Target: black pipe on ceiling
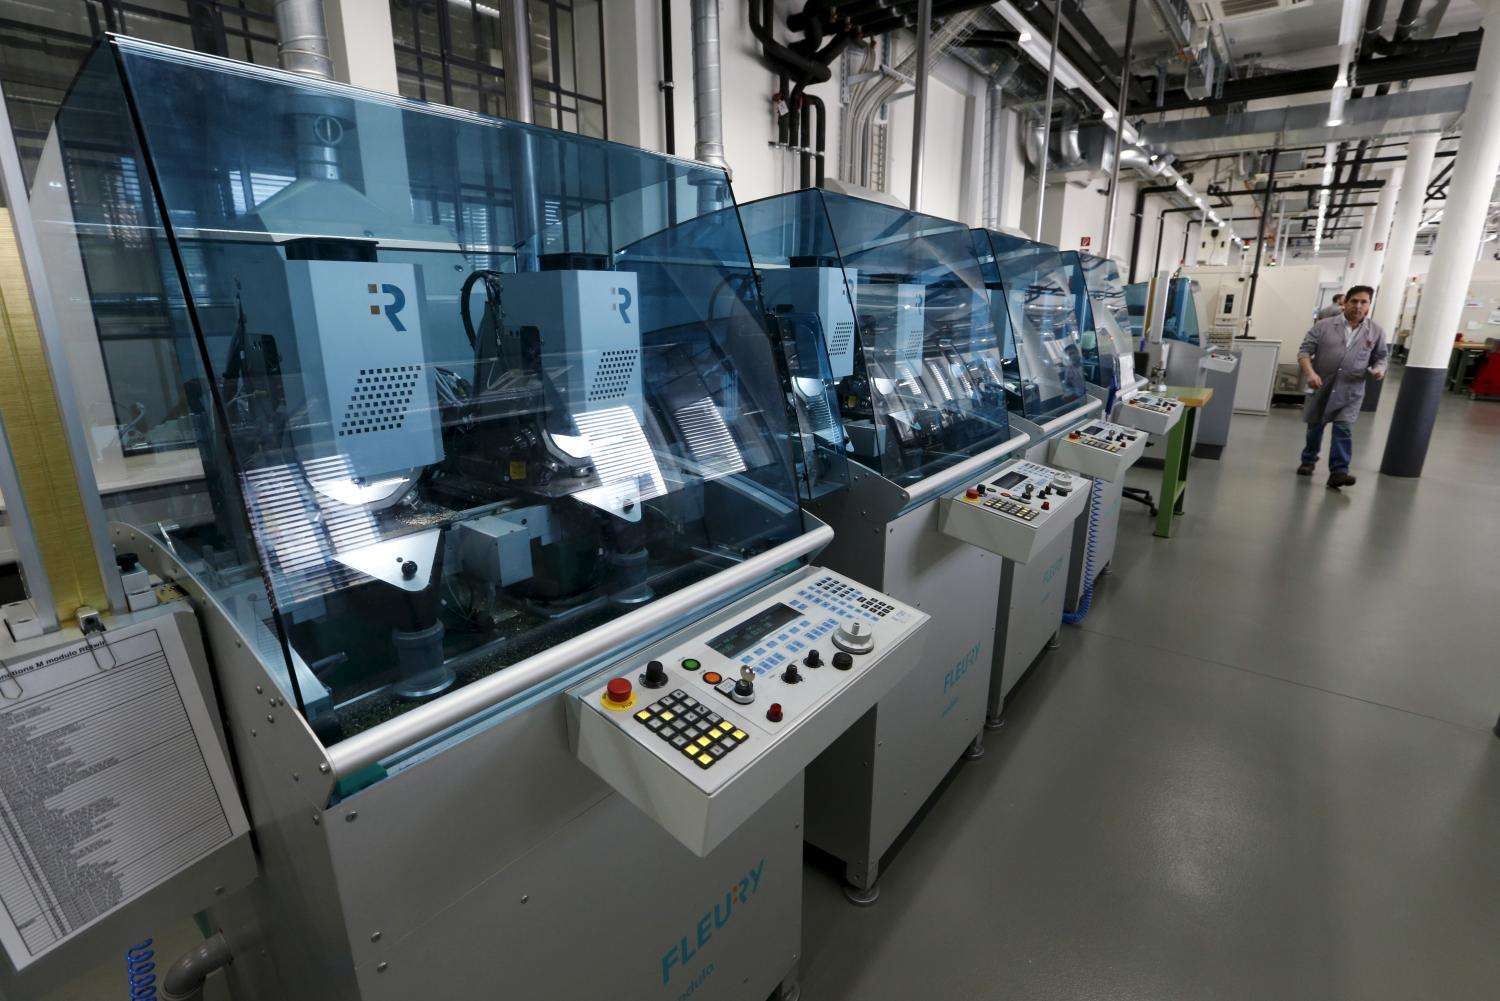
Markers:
point(1417, 59)
point(806, 61)
point(904, 15)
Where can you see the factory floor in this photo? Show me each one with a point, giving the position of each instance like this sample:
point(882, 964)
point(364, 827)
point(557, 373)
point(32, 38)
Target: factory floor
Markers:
point(1261, 768)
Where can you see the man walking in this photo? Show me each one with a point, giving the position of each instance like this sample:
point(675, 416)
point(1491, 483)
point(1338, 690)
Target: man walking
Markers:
point(1335, 356)
point(1335, 308)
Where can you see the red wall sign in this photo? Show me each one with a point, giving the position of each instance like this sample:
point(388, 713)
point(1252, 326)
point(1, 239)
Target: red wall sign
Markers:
point(1084, 242)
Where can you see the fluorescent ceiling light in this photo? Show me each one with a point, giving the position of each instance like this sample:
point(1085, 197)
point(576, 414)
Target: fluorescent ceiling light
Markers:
point(1025, 37)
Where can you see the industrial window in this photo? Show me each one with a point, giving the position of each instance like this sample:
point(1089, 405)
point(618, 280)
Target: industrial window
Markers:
point(43, 44)
point(449, 51)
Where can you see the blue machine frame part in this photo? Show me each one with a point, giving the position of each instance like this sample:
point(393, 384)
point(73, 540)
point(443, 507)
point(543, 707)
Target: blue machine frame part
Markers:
point(1086, 600)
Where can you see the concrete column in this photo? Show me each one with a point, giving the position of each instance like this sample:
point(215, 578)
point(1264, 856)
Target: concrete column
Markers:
point(1368, 271)
point(1403, 239)
point(1474, 171)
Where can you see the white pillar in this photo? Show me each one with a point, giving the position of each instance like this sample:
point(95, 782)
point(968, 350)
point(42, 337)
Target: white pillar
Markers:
point(1396, 268)
point(1368, 271)
point(1474, 170)
point(361, 43)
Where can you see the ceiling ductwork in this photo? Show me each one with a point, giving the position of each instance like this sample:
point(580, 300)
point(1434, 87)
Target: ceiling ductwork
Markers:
point(1066, 152)
point(1435, 110)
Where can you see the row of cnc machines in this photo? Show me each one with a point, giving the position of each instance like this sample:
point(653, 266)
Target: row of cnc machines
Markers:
point(566, 545)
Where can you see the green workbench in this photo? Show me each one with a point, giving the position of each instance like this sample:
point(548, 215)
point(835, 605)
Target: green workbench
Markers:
point(1174, 470)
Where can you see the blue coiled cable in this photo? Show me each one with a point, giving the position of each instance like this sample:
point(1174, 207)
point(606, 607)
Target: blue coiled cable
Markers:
point(140, 971)
point(1090, 550)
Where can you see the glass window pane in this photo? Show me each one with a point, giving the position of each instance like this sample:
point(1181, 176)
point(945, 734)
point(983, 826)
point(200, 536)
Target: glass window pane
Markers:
point(541, 41)
point(588, 48)
point(565, 44)
point(591, 119)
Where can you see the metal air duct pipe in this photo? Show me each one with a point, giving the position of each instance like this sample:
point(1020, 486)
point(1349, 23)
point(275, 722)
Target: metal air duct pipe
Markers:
point(994, 152)
point(302, 38)
point(919, 112)
point(515, 40)
point(708, 97)
point(708, 104)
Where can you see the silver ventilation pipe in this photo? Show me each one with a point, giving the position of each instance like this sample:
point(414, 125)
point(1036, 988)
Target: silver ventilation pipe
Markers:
point(318, 121)
point(994, 152)
point(302, 38)
point(919, 111)
point(515, 42)
point(708, 104)
point(708, 97)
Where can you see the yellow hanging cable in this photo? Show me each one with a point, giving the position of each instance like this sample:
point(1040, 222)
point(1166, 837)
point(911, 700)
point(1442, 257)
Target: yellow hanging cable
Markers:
point(38, 443)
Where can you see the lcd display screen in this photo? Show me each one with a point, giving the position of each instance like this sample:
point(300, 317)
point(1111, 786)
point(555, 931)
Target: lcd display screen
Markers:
point(1009, 480)
point(743, 634)
point(1093, 429)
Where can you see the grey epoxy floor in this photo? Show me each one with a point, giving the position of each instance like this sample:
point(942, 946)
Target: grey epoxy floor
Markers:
point(1262, 768)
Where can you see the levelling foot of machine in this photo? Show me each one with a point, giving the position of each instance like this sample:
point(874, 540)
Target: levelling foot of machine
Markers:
point(1106, 570)
point(786, 991)
point(861, 897)
point(1055, 641)
point(994, 722)
point(975, 750)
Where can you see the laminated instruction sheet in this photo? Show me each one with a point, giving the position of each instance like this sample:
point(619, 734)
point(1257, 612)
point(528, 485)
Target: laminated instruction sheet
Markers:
point(111, 781)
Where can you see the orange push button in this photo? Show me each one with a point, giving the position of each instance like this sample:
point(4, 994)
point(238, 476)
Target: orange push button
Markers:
point(712, 677)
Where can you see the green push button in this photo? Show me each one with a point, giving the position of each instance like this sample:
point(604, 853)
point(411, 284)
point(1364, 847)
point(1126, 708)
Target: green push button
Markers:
point(690, 664)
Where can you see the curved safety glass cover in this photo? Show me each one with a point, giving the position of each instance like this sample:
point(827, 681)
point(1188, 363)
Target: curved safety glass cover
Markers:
point(1182, 313)
point(1104, 312)
point(443, 419)
point(1033, 301)
point(920, 369)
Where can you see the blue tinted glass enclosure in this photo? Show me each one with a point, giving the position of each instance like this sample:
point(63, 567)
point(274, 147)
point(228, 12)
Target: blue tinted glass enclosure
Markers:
point(1033, 303)
point(906, 319)
point(1182, 313)
point(1104, 315)
point(457, 389)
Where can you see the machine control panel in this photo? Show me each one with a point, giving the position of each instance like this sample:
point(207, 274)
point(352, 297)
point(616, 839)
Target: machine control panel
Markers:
point(735, 710)
point(1017, 510)
point(1099, 449)
point(1149, 412)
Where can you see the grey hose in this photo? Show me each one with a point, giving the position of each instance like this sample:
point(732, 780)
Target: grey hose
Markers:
point(184, 981)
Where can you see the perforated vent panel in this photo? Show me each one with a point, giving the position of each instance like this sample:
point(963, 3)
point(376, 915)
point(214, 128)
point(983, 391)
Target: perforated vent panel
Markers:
point(843, 334)
point(612, 377)
point(381, 399)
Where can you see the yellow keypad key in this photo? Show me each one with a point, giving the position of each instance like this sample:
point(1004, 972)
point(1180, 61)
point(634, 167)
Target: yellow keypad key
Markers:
point(704, 759)
point(643, 715)
point(668, 716)
point(740, 735)
point(704, 742)
point(716, 733)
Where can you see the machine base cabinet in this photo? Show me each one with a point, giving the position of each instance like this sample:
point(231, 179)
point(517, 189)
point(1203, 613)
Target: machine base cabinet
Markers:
point(1031, 608)
point(865, 789)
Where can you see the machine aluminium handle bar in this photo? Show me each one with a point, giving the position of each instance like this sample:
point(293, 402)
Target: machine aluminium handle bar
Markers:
point(940, 483)
point(1056, 424)
point(348, 757)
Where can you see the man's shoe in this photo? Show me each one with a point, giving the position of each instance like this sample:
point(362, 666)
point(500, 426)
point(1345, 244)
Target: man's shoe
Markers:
point(1337, 480)
point(1306, 469)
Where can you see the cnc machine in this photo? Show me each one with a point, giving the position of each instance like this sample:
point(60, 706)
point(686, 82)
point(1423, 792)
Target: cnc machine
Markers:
point(922, 389)
point(497, 547)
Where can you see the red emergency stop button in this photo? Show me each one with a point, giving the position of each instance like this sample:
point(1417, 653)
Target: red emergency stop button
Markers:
point(971, 494)
point(618, 691)
point(1073, 435)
